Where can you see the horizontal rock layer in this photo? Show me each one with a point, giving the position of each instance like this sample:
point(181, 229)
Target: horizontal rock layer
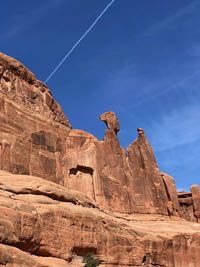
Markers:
point(40, 220)
point(21, 86)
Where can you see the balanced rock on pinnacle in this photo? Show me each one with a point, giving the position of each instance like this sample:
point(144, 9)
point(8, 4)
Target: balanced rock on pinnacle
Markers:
point(140, 132)
point(111, 121)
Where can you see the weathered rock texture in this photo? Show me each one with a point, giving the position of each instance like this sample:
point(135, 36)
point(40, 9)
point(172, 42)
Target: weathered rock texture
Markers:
point(190, 204)
point(33, 128)
point(36, 139)
point(111, 121)
point(44, 224)
point(195, 189)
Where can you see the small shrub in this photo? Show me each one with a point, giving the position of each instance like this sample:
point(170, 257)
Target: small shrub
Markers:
point(90, 261)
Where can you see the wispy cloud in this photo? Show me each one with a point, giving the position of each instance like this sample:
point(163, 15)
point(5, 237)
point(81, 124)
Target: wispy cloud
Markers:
point(133, 89)
point(177, 128)
point(126, 85)
point(168, 22)
point(194, 51)
point(182, 161)
point(20, 23)
point(163, 91)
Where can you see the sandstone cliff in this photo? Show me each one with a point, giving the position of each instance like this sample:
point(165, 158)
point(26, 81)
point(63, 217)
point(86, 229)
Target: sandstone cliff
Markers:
point(44, 224)
point(123, 208)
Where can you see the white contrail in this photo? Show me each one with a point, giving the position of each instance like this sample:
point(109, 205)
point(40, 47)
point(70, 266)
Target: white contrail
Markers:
point(78, 42)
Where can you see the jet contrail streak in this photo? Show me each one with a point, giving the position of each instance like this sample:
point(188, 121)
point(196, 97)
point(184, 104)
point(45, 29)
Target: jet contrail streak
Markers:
point(78, 42)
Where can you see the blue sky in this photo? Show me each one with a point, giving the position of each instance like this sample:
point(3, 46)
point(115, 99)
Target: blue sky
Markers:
point(142, 60)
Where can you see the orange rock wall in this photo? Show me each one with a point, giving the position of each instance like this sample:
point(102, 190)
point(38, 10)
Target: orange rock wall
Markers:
point(37, 139)
point(93, 196)
point(44, 224)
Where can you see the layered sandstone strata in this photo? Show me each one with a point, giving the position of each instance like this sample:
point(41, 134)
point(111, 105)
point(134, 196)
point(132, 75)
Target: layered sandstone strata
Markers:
point(190, 204)
point(33, 127)
point(44, 224)
point(37, 139)
point(123, 208)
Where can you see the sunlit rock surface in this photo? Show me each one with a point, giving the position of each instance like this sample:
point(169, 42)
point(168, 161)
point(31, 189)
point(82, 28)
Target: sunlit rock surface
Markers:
point(123, 209)
point(44, 224)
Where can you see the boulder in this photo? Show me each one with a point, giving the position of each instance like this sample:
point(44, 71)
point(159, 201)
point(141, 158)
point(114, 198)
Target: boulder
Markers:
point(111, 121)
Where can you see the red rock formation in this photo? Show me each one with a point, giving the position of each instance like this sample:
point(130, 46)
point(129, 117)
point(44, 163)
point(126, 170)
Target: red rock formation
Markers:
point(47, 220)
point(20, 85)
point(33, 128)
point(173, 203)
point(111, 121)
point(117, 180)
point(195, 190)
point(44, 224)
point(187, 209)
point(149, 191)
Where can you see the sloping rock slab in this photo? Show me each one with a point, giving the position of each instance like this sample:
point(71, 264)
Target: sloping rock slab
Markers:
point(43, 224)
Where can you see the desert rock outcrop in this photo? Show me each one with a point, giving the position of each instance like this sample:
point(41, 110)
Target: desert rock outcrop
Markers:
point(37, 139)
point(195, 189)
point(33, 127)
point(111, 121)
point(64, 193)
point(44, 224)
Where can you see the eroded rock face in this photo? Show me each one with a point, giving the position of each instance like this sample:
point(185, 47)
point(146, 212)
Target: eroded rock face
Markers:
point(111, 121)
point(195, 190)
point(37, 139)
point(52, 221)
point(58, 227)
point(186, 206)
point(149, 191)
point(173, 203)
point(20, 85)
point(33, 127)
point(118, 180)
